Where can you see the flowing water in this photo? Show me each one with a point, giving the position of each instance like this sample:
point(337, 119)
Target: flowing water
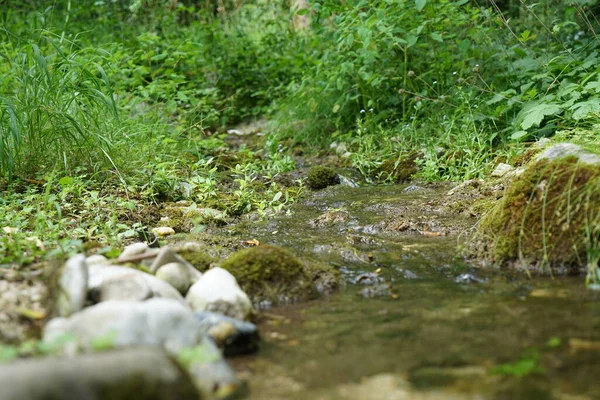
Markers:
point(408, 323)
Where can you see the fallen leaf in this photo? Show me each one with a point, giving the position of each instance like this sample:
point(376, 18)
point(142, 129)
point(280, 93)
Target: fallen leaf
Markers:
point(31, 314)
point(252, 242)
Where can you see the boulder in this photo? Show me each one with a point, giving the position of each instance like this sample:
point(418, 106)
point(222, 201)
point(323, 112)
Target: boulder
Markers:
point(217, 290)
point(144, 373)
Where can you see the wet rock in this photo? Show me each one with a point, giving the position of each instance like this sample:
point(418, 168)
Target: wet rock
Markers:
point(72, 286)
point(103, 277)
point(144, 373)
point(235, 337)
point(368, 278)
point(501, 170)
point(412, 189)
point(161, 322)
point(175, 274)
point(132, 250)
point(468, 278)
point(217, 290)
point(270, 272)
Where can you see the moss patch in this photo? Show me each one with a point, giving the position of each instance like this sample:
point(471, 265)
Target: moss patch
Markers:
point(320, 177)
point(546, 216)
point(398, 170)
point(269, 272)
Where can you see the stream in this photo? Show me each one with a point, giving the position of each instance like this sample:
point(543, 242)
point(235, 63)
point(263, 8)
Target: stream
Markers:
point(413, 319)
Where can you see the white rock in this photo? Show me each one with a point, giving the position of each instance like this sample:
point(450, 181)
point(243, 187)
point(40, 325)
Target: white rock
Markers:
point(218, 291)
point(133, 250)
point(167, 256)
point(501, 170)
point(162, 322)
point(96, 259)
point(163, 231)
point(100, 274)
point(73, 286)
point(159, 322)
point(131, 287)
point(176, 275)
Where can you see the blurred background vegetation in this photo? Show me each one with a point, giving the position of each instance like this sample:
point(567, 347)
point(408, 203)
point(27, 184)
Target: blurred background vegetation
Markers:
point(138, 94)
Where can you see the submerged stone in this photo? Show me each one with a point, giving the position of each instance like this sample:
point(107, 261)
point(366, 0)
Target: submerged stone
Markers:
point(235, 337)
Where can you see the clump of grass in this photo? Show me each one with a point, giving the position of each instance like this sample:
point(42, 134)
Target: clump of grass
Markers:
point(58, 111)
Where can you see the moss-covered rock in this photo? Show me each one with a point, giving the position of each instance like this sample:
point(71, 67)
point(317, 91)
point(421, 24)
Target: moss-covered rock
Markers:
point(269, 272)
point(397, 169)
point(549, 216)
point(320, 177)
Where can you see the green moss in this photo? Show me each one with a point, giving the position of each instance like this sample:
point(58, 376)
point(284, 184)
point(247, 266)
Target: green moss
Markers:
point(320, 177)
point(198, 258)
point(398, 169)
point(269, 272)
point(546, 215)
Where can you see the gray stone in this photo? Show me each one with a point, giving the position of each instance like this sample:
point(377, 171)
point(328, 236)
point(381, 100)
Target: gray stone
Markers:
point(167, 256)
point(175, 274)
point(138, 373)
point(218, 291)
point(562, 150)
point(102, 277)
point(72, 286)
point(130, 286)
point(132, 250)
point(235, 337)
point(161, 322)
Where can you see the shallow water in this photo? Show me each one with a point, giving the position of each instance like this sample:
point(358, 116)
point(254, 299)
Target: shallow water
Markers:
point(421, 335)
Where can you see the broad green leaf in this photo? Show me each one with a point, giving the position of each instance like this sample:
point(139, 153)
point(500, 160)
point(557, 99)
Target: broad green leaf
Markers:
point(585, 108)
point(411, 40)
point(464, 45)
point(519, 135)
point(420, 4)
point(437, 37)
point(536, 114)
point(336, 108)
point(65, 181)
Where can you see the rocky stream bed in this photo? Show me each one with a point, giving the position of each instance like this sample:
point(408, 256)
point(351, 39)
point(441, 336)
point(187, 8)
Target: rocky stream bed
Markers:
point(381, 305)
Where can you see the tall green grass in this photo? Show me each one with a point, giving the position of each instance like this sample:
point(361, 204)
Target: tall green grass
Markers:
point(58, 109)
